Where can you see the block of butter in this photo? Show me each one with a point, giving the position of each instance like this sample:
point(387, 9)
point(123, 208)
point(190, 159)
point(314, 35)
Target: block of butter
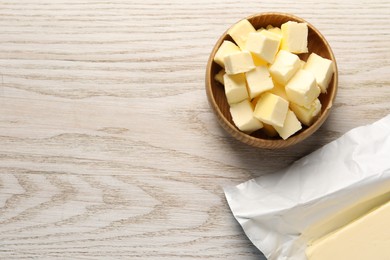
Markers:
point(321, 68)
point(263, 44)
point(279, 90)
point(294, 37)
point(307, 115)
point(275, 30)
point(219, 76)
point(368, 237)
point(258, 80)
point(302, 89)
point(303, 63)
point(227, 47)
point(240, 31)
point(324, 194)
point(271, 109)
point(238, 62)
point(235, 88)
point(291, 126)
point(242, 115)
point(258, 61)
point(284, 67)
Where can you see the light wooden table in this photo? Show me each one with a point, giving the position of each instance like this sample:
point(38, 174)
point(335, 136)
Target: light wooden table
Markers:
point(108, 147)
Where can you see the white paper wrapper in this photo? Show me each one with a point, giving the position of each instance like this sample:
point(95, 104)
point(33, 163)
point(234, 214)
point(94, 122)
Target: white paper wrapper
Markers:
point(282, 212)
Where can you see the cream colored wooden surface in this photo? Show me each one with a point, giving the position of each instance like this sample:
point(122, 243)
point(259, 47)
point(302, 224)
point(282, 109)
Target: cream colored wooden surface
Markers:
point(108, 147)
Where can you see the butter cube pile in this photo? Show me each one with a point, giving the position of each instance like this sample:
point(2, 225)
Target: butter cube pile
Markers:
point(266, 84)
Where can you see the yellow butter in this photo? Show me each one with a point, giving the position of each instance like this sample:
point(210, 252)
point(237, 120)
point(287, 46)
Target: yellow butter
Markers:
point(235, 88)
point(242, 115)
point(238, 62)
point(276, 30)
point(258, 61)
point(240, 31)
point(263, 44)
point(258, 81)
point(279, 90)
point(321, 68)
point(302, 64)
point(260, 29)
point(302, 89)
point(284, 67)
point(227, 47)
point(307, 115)
point(294, 37)
point(271, 109)
point(290, 126)
point(219, 76)
point(368, 237)
point(275, 79)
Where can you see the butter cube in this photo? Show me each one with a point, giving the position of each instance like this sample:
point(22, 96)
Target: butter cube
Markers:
point(242, 115)
point(227, 47)
point(277, 31)
point(284, 67)
point(307, 115)
point(260, 29)
point(219, 76)
point(238, 62)
point(279, 90)
point(291, 126)
point(258, 61)
point(302, 63)
point(240, 31)
point(235, 88)
point(263, 44)
point(294, 37)
point(259, 80)
point(271, 109)
point(321, 68)
point(302, 89)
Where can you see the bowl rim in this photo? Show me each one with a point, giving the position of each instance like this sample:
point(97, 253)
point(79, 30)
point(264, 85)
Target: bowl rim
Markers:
point(256, 141)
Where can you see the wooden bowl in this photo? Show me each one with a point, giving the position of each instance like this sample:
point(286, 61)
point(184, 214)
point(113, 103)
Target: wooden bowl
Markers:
point(217, 98)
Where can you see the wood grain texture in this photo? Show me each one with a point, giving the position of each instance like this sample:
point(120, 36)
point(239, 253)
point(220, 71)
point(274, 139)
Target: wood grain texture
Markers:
point(108, 147)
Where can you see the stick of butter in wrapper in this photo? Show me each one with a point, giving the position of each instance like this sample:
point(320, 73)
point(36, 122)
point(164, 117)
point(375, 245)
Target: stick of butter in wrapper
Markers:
point(286, 212)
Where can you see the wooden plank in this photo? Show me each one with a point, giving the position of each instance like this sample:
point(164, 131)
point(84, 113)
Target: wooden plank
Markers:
point(108, 148)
